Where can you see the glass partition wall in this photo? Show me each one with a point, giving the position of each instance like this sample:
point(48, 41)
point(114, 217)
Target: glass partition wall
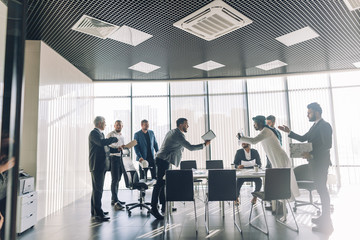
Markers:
point(227, 106)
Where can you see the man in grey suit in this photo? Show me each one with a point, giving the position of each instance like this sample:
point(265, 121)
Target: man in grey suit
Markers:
point(170, 152)
point(146, 147)
point(320, 135)
point(97, 157)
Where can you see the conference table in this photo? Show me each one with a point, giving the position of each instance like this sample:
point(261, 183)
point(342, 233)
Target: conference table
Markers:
point(240, 173)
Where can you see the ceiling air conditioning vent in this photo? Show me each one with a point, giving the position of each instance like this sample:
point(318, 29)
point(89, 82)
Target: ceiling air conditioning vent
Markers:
point(352, 4)
point(94, 27)
point(213, 20)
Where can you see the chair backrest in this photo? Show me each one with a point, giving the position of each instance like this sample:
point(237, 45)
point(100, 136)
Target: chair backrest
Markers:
point(131, 176)
point(214, 164)
point(302, 173)
point(188, 164)
point(179, 185)
point(222, 185)
point(277, 183)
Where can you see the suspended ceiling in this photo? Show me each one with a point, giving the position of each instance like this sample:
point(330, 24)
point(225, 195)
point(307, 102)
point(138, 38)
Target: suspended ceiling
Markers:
point(176, 52)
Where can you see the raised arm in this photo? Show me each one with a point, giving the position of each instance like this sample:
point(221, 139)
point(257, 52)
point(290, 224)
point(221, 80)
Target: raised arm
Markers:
point(261, 136)
point(188, 145)
point(95, 138)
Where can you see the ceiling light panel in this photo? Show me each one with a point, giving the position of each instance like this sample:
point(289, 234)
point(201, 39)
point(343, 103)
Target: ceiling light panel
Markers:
point(209, 65)
point(213, 20)
point(352, 5)
point(144, 67)
point(298, 36)
point(94, 27)
point(271, 65)
point(130, 35)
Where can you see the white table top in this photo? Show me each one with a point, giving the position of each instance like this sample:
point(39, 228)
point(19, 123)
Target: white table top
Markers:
point(240, 173)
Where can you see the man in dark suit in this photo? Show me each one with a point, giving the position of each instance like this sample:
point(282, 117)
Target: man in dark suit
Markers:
point(247, 158)
point(320, 135)
point(97, 157)
point(146, 147)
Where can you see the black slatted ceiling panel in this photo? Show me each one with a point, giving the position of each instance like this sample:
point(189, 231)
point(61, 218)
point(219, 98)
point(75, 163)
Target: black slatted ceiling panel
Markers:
point(177, 51)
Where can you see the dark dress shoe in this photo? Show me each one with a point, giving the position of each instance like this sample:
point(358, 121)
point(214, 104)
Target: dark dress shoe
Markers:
point(156, 214)
point(106, 213)
point(101, 218)
point(122, 203)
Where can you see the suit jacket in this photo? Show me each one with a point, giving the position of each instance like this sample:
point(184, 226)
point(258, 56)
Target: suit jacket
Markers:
point(320, 135)
point(173, 146)
point(97, 154)
point(240, 156)
point(141, 147)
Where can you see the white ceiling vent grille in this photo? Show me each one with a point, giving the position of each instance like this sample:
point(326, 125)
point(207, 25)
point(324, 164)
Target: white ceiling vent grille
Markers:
point(352, 4)
point(94, 27)
point(212, 21)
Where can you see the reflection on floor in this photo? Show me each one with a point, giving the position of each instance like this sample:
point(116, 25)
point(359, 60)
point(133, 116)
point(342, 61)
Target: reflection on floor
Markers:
point(73, 222)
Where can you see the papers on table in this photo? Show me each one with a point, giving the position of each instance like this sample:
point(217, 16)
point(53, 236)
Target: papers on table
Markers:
point(298, 149)
point(210, 135)
point(131, 144)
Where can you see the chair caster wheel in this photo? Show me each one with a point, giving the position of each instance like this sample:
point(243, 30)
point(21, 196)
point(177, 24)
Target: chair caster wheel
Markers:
point(129, 213)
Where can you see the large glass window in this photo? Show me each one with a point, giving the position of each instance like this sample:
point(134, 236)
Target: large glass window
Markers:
point(228, 114)
point(227, 106)
point(266, 97)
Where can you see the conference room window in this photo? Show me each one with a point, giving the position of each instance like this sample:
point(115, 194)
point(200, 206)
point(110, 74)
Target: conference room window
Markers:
point(267, 96)
point(151, 101)
point(189, 102)
point(302, 91)
point(346, 89)
point(228, 114)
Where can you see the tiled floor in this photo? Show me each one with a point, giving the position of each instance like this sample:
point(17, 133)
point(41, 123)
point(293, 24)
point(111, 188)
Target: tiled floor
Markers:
point(73, 222)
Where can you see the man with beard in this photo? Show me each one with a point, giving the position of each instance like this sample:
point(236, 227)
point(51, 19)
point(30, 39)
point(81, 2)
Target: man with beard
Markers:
point(320, 135)
point(247, 158)
point(170, 152)
point(146, 147)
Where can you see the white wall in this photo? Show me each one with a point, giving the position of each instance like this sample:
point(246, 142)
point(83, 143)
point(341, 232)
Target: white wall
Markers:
point(64, 120)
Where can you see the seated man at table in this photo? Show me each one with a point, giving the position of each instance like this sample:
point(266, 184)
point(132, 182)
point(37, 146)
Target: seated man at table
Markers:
point(247, 158)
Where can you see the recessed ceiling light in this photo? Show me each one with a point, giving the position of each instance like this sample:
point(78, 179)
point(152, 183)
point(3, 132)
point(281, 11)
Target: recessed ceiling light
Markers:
point(130, 35)
point(209, 65)
point(352, 4)
point(357, 64)
point(271, 65)
point(144, 67)
point(94, 27)
point(298, 36)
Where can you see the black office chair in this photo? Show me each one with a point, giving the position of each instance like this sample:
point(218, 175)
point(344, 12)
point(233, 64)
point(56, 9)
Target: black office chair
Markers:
point(214, 164)
point(277, 187)
point(189, 165)
point(305, 181)
point(179, 187)
point(132, 182)
point(222, 187)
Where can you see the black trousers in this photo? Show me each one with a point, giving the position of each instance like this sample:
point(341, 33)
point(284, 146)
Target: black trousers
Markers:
point(116, 173)
point(97, 178)
point(240, 182)
point(158, 191)
point(152, 170)
point(319, 172)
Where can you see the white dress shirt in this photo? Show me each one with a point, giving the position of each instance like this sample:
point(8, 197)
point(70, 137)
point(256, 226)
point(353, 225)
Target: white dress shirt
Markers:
point(120, 142)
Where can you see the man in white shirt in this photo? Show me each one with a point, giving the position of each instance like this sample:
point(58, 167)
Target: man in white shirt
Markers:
point(115, 163)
